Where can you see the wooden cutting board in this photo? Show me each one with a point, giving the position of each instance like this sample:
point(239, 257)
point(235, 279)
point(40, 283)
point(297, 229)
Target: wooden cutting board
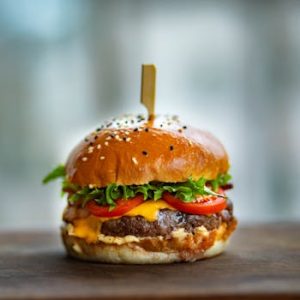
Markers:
point(262, 262)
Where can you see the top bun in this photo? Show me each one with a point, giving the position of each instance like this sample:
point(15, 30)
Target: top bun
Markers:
point(132, 150)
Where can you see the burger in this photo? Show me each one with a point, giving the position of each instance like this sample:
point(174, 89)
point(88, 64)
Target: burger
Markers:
point(143, 191)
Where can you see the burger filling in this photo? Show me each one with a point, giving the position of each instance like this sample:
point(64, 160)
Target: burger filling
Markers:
point(150, 210)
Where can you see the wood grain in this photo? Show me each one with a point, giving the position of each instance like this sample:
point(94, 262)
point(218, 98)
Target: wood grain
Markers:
point(262, 262)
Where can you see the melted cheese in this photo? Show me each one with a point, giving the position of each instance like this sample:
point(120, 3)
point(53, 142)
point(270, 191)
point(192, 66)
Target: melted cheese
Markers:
point(149, 210)
point(89, 228)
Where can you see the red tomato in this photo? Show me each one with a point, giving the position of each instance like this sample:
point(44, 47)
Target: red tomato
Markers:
point(202, 206)
point(122, 207)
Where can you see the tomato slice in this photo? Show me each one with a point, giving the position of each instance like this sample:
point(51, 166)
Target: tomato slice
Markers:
point(122, 207)
point(203, 205)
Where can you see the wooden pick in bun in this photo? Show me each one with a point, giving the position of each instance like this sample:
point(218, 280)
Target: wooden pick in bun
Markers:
point(146, 192)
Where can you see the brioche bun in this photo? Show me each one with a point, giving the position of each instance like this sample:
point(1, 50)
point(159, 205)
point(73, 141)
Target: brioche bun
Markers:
point(132, 150)
point(152, 250)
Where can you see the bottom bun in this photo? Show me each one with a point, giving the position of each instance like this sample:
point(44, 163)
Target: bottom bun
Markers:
point(152, 250)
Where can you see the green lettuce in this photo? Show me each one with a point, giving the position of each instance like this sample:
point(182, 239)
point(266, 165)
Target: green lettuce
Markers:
point(57, 172)
point(186, 191)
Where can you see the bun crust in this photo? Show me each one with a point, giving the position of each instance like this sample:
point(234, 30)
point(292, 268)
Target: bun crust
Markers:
point(134, 151)
point(151, 250)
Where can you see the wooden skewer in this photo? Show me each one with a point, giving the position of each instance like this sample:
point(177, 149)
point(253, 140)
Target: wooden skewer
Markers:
point(148, 88)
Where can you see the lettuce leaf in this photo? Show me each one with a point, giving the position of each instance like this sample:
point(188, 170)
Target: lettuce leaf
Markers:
point(186, 191)
point(58, 172)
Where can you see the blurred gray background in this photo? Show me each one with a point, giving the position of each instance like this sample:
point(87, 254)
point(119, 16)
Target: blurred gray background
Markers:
point(232, 67)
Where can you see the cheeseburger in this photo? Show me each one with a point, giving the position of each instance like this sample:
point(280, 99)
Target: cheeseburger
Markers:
point(146, 192)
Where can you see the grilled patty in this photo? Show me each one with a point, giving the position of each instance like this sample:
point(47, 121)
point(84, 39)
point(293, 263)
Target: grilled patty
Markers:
point(167, 221)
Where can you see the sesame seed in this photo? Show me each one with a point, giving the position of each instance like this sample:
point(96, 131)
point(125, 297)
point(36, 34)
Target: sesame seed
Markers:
point(171, 147)
point(124, 139)
point(135, 129)
point(86, 139)
point(84, 158)
point(134, 160)
point(145, 153)
point(161, 125)
point(95, 137)
point(98, 146)
point(180, 130)
point(90, 149)
point(106, 143)
point(98, 129)
point(146, 129)
point(184, 127)
point(102, 157)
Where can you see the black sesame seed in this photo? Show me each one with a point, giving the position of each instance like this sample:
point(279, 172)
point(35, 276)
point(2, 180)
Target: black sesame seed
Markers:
point(112, 135)
point(145, 153)
point(118, 124)
point(98, 129)
point(161, 125)
point(86, 139)
point(135, 129)
point(184, 127)
point(131, 121)
point(180, 130)
point(124, 139)
point(108, 125)
point(126, 122)
point(146, 129)
point(91, 143)
point(95, 137)
point(171, 148)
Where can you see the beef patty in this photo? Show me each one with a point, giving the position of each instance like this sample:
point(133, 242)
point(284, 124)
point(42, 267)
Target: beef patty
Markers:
point(167, 221)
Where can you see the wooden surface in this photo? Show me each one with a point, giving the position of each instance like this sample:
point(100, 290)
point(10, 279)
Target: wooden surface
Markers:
point(262, 262)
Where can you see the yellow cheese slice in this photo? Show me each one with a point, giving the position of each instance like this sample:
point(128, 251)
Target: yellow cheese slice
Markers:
point(87, 228)
point(149, 209)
